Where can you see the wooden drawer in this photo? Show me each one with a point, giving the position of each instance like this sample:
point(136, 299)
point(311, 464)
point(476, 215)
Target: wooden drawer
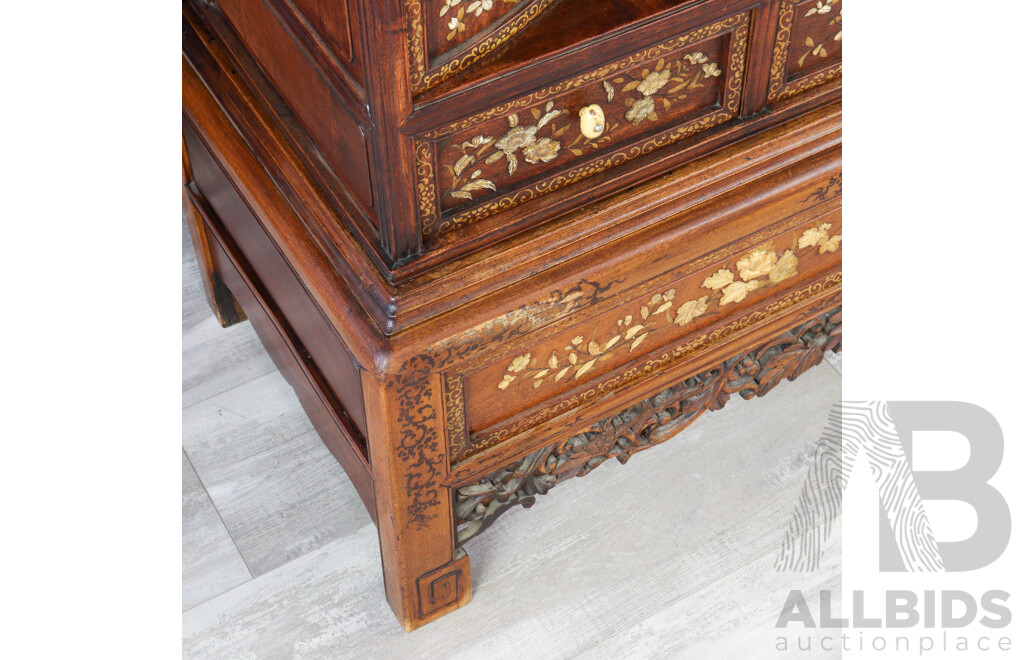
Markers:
point(617, 333)
point(808, 47)
point(495, 160)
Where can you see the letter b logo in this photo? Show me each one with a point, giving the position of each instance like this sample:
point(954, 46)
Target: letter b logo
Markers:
point(967, 484)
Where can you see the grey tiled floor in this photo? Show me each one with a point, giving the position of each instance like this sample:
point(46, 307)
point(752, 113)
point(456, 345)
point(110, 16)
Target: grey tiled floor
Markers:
point(670, 556)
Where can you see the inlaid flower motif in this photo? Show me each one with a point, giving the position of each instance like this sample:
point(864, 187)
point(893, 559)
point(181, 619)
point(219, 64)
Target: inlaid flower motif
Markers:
point(756, 264)
point(520, 363)
point(654, 81)
point(696, 58)
point(821, 8)
point(480, 6)
point(639, 110)
point(814, 235)
point(711, 69)
point(541, 151)
point(784, 268)
point(516, 138)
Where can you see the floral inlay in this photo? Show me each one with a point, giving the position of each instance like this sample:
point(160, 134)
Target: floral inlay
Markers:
point(466, 180)
point(760, 268)
point(659, 87)
point(476, 8)
point(817, 48)
point(688, 73)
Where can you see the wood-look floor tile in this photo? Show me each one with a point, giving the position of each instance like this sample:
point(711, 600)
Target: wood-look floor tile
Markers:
point(210, 562)
point(278, 489)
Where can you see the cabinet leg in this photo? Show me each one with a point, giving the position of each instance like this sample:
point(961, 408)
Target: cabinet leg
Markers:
point(225, 307)
point(425, 575)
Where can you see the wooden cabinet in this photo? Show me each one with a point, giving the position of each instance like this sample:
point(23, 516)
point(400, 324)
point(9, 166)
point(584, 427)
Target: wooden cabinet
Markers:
point(494, 243)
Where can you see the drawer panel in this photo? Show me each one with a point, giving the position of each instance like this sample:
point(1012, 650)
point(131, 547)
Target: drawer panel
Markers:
point(599, 355)
point(678, 302)
point(533, 145)
point(808, 47)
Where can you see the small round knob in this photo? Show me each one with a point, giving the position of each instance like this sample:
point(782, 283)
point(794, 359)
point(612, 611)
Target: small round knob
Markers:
point(592, 121)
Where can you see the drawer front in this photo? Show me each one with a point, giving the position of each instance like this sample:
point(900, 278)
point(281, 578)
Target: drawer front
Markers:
point(657, 325)
point(808, 47)
point(534, 145)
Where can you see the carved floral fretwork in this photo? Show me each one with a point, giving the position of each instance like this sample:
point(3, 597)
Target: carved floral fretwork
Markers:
point(647, 423)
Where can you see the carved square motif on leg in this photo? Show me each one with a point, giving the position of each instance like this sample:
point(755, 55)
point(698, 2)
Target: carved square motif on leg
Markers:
point(441, 587)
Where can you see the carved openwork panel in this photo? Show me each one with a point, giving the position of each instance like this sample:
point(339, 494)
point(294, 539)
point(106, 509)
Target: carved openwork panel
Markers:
point(808, 47)
point(494, 160)
point(647, 423)
point(583, 357)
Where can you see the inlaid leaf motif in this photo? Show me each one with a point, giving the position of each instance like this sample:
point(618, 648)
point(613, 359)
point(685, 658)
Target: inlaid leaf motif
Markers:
point(463, 163)
point(478, 184)
point(830, 244)
point(719, 280)
point(585, 368)
point(737, 291)
point(548, 116)
point(691, 310)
